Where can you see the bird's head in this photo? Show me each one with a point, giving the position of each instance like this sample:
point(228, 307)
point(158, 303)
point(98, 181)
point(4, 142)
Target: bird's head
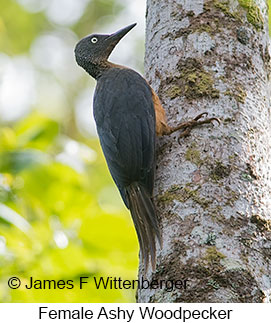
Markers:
point(96, 48)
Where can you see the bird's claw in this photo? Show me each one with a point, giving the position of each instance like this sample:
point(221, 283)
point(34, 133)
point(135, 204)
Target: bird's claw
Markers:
point(205, 114)
point(196, 122)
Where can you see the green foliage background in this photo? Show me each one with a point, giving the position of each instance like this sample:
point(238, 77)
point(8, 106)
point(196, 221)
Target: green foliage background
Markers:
point(58, 221)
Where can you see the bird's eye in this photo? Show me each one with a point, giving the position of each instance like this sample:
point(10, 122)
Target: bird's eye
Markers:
point(94, 40)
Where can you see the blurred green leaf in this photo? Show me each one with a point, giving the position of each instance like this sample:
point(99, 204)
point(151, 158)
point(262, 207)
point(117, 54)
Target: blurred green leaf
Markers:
point(36, 131)
point(18, 28)
point(10, 216)
point(17, 161)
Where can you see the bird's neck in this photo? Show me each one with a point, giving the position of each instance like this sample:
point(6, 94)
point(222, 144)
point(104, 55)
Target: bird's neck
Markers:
point(96, 70)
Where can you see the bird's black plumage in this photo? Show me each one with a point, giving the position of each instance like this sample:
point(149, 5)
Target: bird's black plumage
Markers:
point(125, 117)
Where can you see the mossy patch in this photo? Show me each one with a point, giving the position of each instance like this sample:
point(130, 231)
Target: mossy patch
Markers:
point(253, 12)
point(231, 196)
point(220, 171)
point(238, 93)
point(223, 6)
point(254, 15)
point(212, 21)
point(174, 91)
point(213, 256)
point(193, 81)
point(193, 155)
point(182, 194)
point(198, 82)
point(207, 28)
point(262, 224)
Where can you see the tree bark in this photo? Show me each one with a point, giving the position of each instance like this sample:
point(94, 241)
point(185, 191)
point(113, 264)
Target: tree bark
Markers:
point(213, 190)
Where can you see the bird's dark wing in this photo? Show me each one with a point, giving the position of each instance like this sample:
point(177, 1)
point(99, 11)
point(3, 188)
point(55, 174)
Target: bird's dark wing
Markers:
point(125, 118)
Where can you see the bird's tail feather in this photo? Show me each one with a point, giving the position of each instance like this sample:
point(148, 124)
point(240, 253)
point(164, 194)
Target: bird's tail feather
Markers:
point(145, 220)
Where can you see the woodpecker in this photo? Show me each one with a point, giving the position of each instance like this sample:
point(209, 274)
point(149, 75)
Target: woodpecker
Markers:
point(129, 116)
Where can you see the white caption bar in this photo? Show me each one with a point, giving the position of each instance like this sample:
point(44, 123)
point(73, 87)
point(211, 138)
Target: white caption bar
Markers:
point(134, 313)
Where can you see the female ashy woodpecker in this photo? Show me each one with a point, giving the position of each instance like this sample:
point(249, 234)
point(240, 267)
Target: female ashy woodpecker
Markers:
point(129, 116)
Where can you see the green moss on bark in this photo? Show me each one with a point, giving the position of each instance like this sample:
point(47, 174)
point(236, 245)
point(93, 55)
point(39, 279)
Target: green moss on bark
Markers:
point(223, 6)
point(220, 171)
point(261, 223)
point(198, 82)
point(254, 15)
point(193, 155)
point(238, 93)
point(182, 194)
point(213, 256)
point(174, 91)
point(193, 82)
point(253, 12)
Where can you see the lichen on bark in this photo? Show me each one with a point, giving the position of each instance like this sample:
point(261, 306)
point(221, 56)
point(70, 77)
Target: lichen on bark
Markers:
point(254, 15)
point(192, 81)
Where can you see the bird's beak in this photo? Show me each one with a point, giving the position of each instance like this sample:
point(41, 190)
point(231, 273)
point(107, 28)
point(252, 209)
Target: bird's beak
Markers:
point(116, 37)
point(113, 39)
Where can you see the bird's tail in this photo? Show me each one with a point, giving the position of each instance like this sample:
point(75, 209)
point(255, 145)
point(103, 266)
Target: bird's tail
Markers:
point(145, 221)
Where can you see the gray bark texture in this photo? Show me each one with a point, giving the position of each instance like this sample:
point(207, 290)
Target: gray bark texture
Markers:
point(213, 190)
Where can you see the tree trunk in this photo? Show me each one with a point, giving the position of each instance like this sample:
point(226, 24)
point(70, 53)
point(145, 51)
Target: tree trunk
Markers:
point(213, 190)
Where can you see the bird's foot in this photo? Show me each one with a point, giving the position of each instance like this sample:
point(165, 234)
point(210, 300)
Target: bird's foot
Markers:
point(187, 126)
